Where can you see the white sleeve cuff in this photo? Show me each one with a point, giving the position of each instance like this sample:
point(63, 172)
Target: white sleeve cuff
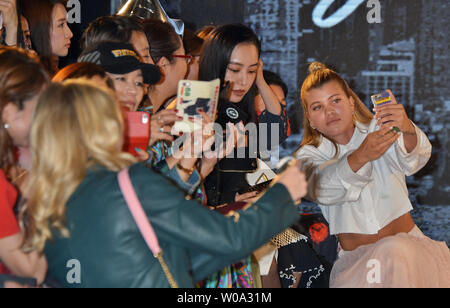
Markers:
point(353, 182)
point(360, 178)
point(401, 143)
point(412, 162)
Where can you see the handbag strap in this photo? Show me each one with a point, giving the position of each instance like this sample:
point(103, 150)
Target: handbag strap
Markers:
point(142, 221)
point(138, 213)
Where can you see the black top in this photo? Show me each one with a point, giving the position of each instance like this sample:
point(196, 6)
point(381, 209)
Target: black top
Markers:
point(228, 176)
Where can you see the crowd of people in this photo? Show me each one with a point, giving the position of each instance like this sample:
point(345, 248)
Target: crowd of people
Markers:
point(62, 165)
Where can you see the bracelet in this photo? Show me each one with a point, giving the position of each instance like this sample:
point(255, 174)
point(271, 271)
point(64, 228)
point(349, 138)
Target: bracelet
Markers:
point(185, 170)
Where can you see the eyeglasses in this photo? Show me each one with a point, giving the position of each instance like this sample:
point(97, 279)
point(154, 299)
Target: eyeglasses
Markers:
point(186, 57)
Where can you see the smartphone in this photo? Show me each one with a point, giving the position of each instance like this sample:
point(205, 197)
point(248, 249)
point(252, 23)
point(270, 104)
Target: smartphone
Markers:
point(1, 20)
point(380, 100)
point(194, 96)
point(137, 131)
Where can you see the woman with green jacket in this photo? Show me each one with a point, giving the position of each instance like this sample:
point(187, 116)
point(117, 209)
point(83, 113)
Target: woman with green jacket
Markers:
point(78, 216)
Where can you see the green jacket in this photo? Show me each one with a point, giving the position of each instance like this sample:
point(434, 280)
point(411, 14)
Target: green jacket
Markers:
point(110, 251)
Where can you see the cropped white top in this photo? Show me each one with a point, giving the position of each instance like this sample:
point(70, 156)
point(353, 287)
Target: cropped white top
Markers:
point(366, 201)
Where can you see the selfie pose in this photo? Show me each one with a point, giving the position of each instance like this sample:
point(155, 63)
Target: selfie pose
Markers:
point(76, 209)
point(357, 165)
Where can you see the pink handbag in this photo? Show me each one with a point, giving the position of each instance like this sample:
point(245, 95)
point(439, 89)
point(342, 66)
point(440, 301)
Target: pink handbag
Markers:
point(143, 223)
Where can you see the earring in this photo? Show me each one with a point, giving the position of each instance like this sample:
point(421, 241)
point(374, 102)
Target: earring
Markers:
point(6, 126)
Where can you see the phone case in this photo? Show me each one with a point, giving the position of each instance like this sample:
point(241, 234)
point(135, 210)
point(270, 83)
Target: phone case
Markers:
point(192, 97)
point(137, 131)
point(380, 100)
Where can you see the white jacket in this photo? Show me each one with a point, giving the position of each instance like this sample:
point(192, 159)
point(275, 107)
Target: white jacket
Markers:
point(366, 201)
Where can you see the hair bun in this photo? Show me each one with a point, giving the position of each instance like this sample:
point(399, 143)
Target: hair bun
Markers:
point(316, 66)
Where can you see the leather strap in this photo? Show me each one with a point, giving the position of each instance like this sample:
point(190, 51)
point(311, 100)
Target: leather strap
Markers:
point(142, 222)
point(138, 213)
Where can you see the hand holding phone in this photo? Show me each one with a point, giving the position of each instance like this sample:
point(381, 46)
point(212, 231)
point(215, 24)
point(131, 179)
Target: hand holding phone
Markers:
point(383, 99)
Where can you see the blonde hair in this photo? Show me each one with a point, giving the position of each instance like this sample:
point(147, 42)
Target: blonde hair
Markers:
point(76, 125)
point(319, 74)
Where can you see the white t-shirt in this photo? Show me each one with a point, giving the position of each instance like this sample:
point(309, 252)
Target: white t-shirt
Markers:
point(366, 201)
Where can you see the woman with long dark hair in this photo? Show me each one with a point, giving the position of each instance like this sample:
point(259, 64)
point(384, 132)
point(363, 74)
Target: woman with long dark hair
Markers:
point(232, 53)
point(14, 29)
point(50, 33)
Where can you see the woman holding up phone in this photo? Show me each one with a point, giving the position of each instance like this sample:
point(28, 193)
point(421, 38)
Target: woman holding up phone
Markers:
point(232, 53)
point(124, 67)
point(76, 210)
point(357, 168)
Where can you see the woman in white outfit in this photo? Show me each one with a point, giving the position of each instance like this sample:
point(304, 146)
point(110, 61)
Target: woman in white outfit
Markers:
point(357, 165)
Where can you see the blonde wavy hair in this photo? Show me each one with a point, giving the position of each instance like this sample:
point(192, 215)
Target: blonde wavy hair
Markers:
point(319, 74)
point(76, 125)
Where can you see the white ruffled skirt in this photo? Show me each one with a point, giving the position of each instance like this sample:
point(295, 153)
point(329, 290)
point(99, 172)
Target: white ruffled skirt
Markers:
point(406, 260)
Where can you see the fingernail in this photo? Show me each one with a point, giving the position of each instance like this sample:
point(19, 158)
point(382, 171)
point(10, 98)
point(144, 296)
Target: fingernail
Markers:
point(137, 150)
point(176, 110)
point(180, 134)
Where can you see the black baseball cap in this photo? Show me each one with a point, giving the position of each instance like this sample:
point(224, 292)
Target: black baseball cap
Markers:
point(121, 58)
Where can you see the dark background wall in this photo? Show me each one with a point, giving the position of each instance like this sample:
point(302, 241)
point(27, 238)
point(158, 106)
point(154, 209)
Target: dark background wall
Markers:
point(407, 52)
